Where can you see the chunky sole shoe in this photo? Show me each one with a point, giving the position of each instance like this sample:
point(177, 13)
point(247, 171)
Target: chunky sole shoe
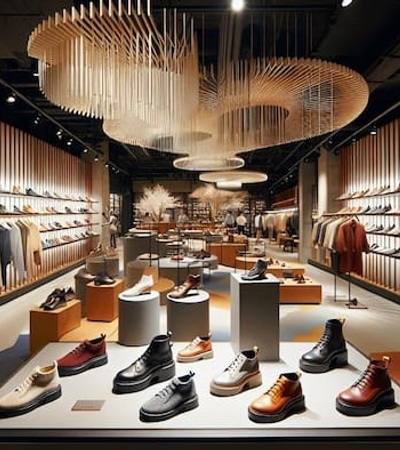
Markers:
point(42, 399)
point(335, 360)
point(385, 400)
point(183, 407)
point(249, 382)
point(204, 355)
point(293, 407)
point(89, 364)
point(156, 376)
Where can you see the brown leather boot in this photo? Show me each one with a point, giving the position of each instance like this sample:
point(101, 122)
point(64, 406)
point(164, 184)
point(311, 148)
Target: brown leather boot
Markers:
point(284, 398)
point(371, 393)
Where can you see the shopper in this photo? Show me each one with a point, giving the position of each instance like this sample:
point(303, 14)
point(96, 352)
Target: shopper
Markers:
point(114, 222)
point(241, 223)
point(229, 221)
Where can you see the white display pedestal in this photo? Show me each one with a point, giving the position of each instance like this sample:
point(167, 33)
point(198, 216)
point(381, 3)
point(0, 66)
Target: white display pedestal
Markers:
point(189, 316)
point(139, 318)
point(255, 315)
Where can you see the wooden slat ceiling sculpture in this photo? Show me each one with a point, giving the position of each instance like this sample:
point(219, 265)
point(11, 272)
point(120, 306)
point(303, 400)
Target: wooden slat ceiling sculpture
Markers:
point(146, 83)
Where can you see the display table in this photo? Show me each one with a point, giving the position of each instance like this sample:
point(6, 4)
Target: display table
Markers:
point(278, 268)
point(290, 291)
point(50, 326)
point(102, 301)
point(189, 316)
point(255, 315)
point(139, 318)
point(216, 423)
point(226, 252)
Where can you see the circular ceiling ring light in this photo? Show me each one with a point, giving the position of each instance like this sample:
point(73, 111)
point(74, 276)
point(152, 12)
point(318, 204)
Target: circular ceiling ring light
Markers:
point(205, 164)
point(235, 176)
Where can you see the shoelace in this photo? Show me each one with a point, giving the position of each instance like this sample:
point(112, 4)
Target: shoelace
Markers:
point(27, 382)
point(80, 349)
point(324, 339)
point(193, 344)
point(276, 389)
point(168, 390)
point(142, 359)
point(235, 364)
point(364, 379)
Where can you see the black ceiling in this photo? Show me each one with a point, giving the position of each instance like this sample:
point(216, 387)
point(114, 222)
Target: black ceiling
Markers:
point(364, 36)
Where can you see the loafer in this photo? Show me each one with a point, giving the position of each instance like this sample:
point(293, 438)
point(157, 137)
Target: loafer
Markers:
point(103, 279)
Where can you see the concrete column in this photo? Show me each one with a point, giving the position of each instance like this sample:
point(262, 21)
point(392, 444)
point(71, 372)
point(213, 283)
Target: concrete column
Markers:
point(329, 182)
point(305, 201)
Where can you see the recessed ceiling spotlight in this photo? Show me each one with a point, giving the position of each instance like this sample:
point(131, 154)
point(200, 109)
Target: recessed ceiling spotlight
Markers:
point(237, 5)
point(11, 98)
point(96, 158)
point(85, 150)
point(373, 130)
point(346, 3)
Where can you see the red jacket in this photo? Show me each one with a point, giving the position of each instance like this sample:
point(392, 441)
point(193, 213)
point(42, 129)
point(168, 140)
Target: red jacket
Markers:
point(350, 242)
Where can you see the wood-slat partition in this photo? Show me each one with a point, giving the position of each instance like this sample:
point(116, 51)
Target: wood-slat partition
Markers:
point(27, 162)
point(373, 162)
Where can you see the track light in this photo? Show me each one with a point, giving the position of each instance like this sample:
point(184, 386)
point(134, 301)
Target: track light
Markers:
point(96, 158)
point(11, 98)
point(373, 130)
point(85, 150)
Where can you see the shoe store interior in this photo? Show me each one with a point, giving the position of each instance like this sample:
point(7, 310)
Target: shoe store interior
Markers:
point(200, 224)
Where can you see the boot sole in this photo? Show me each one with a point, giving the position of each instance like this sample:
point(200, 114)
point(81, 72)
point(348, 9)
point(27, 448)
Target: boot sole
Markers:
point(161, 374)
point(90, 364)
point(42, 399)
point(183, 407)
point(293, 407)
point(335, 361)
point(385, 400)
point(225, 391)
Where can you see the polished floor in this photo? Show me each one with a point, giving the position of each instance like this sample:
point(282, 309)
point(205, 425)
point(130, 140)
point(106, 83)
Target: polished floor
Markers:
point(370, 330)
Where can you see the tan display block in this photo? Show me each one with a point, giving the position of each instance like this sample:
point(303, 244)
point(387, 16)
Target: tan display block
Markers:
point(102, 301)
point(226, 252)
point(163, 286)
point(50, 326)
point(293, 292)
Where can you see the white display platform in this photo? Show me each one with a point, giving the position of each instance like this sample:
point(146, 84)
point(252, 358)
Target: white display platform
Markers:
point(215, 418)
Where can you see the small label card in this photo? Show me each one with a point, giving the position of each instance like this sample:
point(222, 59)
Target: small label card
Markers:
point(88, 405)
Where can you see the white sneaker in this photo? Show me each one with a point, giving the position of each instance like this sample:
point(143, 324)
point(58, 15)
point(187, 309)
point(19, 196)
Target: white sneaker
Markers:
point(145, 283)
point(40, 387)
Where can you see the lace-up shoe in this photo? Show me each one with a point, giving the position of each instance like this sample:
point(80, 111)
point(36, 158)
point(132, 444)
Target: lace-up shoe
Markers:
point(371, 393)
point(142, 286)
point(285, 397)
point(155, 365)
point(177, 397)
point(242, 373)
point(330, 351)
point(199, 348)
point(40, 387)
point(88, 354)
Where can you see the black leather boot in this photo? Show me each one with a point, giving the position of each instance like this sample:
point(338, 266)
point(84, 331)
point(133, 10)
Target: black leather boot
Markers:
point(330, 352)
point(257, 272)
point(155, 365)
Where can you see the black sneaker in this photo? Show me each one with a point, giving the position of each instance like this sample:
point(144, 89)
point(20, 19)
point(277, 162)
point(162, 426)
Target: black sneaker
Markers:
point(177, 397)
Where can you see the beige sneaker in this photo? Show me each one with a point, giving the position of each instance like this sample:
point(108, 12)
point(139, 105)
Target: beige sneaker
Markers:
point(242, 373)
point(40, 387)
point(199, 348)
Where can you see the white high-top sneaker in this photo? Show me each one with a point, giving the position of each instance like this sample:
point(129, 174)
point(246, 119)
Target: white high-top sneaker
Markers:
point(40, 387)
point(143, 285)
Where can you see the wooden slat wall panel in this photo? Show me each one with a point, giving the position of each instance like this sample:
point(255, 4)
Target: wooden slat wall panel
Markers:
point(26, 162)
point(374, 162)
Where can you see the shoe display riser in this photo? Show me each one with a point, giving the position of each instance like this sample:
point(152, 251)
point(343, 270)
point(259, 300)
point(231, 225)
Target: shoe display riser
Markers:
point(215, 416)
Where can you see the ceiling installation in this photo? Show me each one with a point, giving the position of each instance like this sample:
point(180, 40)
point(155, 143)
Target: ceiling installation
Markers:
point(266, 87)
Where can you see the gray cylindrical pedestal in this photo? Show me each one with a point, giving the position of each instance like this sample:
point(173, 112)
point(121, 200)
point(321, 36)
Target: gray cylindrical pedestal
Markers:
point(139, 318)
point(188, 317)
point(138, 244)
point(82, 278)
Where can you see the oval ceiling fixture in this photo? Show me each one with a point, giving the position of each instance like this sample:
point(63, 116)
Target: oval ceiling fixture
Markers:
point(208, 164)
point(235, 176)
